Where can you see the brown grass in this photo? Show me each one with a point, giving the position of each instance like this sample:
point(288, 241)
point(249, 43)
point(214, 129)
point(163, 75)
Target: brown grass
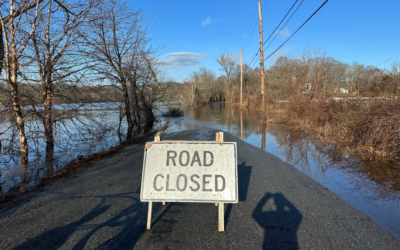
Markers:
point(370, 128)
point(379, 131)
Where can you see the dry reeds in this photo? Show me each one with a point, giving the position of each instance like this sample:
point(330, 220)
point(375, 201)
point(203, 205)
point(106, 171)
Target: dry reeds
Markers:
point(371, 126)
point(379, 131)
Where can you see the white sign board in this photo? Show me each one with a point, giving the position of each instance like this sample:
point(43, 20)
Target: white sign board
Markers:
point(190, 171)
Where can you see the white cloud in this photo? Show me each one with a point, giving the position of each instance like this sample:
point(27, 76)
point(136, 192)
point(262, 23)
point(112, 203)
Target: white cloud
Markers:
point(177, 60)
point(207, 21)
point(284, 33)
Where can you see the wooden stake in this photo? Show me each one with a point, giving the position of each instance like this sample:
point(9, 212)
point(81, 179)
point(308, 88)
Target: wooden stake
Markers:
point(157, 138)
point(149, 215)
point(241, 79)
point(221, 137)
point(261, 64)
point(221, 217)
point(163, 203)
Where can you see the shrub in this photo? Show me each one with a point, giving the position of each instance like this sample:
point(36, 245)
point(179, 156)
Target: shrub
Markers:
point(175, 112)
point(379, 131)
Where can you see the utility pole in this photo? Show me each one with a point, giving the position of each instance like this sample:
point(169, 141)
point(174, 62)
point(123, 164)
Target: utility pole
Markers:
point(241, 79)
point(261, 64)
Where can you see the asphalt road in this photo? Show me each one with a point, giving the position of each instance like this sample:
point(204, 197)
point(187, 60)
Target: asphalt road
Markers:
point(279, 208)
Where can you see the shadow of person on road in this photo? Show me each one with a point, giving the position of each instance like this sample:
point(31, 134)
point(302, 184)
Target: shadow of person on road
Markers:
point(56, 237)
point(281, 225)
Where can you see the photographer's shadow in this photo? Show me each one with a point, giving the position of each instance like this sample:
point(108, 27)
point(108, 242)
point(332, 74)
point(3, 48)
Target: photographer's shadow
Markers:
point(281, 225)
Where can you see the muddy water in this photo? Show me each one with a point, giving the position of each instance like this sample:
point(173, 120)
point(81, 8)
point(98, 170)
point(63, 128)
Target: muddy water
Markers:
point(372, 187)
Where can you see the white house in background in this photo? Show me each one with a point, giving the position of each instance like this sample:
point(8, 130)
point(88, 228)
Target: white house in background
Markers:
point(342, 90)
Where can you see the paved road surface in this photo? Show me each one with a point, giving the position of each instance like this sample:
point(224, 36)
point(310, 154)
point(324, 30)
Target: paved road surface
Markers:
point(279, 208)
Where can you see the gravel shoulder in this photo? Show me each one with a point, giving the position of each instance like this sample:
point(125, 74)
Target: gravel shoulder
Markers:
point(279, 208)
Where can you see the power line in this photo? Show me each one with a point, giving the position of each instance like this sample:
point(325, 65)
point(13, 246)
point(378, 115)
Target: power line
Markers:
point(280, 22)
point(255, 24)
point(277, 27)
point(265, 3)
point(296, 30)
point(284, 24)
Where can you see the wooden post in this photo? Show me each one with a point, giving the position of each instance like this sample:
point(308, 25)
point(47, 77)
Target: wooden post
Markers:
point(157, 138)
point(241, 79)
point(221, 217)
point(149, 215)
point(261, 64)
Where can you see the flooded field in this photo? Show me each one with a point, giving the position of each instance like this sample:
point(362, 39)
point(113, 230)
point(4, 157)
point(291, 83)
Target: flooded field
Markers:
point(372, 187)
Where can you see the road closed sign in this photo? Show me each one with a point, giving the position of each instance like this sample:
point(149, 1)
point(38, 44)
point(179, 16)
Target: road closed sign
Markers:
point(190, 171)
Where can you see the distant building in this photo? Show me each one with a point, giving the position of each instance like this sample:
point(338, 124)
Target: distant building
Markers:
point(342, 90)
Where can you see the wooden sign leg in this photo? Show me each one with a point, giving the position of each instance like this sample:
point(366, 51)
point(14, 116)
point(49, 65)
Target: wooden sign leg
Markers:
point(149, 215)
point(163, 203)
point(221, 217)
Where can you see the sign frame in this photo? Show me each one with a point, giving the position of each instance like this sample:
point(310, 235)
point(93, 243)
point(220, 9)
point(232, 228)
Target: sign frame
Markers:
point(220, 204)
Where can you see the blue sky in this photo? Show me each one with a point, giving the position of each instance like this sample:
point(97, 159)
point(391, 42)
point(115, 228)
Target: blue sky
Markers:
point(194, 33)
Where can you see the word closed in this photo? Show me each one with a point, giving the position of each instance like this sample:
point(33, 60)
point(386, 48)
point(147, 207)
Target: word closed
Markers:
point(190, 172)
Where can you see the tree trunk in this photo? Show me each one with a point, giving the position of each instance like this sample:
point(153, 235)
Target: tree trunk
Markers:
point(127, 110)
point(21, 128)
point(48, 121)
point(17, 110)
point(48, 127)
point(2, 50)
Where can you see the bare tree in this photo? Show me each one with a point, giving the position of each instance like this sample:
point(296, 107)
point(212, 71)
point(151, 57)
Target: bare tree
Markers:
point(228, 65)
point(53, 50)
point(116, 30)
point(16, 38)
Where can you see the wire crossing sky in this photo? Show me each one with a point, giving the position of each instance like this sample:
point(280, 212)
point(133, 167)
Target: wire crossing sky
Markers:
point(193, 33)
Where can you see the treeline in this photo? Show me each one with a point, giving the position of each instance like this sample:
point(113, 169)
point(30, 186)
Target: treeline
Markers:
point(81, 51)
point(310, 74)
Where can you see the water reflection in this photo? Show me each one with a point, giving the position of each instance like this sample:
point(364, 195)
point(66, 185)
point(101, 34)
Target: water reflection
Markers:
point(373, 187)
point(263, 134)
point(241, 124)
point(90, 131)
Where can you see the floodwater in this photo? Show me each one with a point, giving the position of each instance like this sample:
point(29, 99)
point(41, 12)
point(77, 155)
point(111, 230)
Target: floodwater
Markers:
point(372, 187)
point(90, 131)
